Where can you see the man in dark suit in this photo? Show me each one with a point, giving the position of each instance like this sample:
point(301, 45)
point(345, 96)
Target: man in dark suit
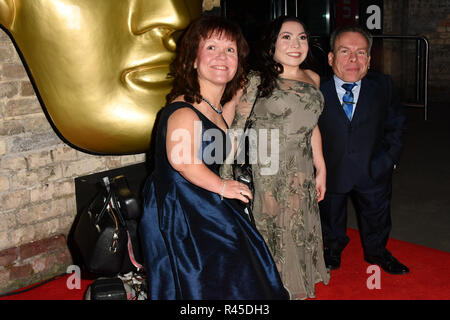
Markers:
point(361, 126)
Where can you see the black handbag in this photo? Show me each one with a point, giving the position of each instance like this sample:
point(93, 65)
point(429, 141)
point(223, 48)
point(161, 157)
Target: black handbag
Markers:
point(132, 286)
point(102, 233)
point(243, 171)
point(106, 289)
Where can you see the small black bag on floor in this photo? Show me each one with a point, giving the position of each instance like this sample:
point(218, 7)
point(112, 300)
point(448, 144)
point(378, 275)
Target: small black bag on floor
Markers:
point(131, 286)
point(103, 231)
point(106, 289)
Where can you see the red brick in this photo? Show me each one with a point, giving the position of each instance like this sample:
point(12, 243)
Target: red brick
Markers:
point(8, 256)
point(45, 245)
point(64, 257)
point(45, 263)
point(20, 272)
point(40, 264)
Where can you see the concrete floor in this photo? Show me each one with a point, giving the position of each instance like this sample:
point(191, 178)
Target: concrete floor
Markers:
point(421, 183)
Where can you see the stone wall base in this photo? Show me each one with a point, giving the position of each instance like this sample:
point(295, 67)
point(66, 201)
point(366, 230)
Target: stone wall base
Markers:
point(33, 262)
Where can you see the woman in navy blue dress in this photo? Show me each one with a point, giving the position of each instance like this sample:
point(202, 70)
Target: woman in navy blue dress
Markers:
point(197, 242)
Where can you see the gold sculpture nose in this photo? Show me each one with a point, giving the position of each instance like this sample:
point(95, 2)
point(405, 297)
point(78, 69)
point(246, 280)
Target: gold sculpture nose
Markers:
point(168, 36)
point(163, 18)
point(103, 79)
point(146, 15)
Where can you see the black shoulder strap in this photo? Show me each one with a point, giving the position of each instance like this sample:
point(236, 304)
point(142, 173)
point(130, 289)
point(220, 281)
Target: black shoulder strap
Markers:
point(247, 122)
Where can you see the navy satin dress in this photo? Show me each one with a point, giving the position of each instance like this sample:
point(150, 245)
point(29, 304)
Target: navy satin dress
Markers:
point(196, 246)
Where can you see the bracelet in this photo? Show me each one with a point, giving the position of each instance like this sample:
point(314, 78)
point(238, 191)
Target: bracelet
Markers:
point(223, 189)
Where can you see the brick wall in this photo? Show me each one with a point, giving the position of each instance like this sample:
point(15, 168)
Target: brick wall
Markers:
point(432, 19)
point(37, 171)
point(429, 18)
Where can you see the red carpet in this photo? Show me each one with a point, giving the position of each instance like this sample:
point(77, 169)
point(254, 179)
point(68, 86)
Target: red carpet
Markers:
point(54, 290)
point(429, 277)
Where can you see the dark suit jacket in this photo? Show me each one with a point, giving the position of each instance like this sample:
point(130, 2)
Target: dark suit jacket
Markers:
point(364, 151)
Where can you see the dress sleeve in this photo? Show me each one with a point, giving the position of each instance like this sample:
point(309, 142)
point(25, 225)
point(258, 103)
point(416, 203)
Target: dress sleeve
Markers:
point(235, 133)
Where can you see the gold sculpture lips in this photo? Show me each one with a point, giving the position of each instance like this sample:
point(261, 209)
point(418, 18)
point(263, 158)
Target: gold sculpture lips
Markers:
point(145, 77)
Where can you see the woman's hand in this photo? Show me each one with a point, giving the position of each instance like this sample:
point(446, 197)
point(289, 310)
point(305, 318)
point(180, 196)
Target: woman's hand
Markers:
point(236, 190)
point(320, 185)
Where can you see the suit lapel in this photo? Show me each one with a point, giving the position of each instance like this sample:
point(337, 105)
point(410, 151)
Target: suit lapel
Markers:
point(364, 99)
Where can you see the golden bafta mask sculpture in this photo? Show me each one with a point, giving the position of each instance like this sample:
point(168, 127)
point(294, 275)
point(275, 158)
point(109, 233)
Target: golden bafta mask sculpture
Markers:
point(100, 66)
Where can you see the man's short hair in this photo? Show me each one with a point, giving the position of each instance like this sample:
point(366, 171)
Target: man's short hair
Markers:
point(336, 33)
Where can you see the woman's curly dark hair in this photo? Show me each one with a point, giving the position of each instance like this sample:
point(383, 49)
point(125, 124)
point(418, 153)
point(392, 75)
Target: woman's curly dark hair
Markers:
point(182, 68)
point(268, 68)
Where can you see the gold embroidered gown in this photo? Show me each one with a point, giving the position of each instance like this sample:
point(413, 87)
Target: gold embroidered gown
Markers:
point(285, 206)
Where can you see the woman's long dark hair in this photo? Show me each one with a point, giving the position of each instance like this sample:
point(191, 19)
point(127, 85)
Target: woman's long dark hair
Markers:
point(182, 68)
point(268, 68)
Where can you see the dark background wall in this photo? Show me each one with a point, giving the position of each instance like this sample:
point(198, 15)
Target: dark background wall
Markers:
point(397, 57)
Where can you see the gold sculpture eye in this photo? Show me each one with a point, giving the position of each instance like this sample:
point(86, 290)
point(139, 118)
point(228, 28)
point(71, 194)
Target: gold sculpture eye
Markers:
point(100, 67)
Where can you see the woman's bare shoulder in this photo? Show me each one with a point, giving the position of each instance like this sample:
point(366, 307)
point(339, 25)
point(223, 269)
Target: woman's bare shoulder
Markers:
point(314, 77)
point(183, 116)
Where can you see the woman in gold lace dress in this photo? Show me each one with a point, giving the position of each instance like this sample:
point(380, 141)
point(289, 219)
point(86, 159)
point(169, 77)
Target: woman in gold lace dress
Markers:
point(289, 174)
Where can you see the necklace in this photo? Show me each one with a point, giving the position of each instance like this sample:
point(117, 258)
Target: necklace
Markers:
point(218, 111)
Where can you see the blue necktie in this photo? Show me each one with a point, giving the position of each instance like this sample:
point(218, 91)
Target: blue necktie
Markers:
point(347, 99)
